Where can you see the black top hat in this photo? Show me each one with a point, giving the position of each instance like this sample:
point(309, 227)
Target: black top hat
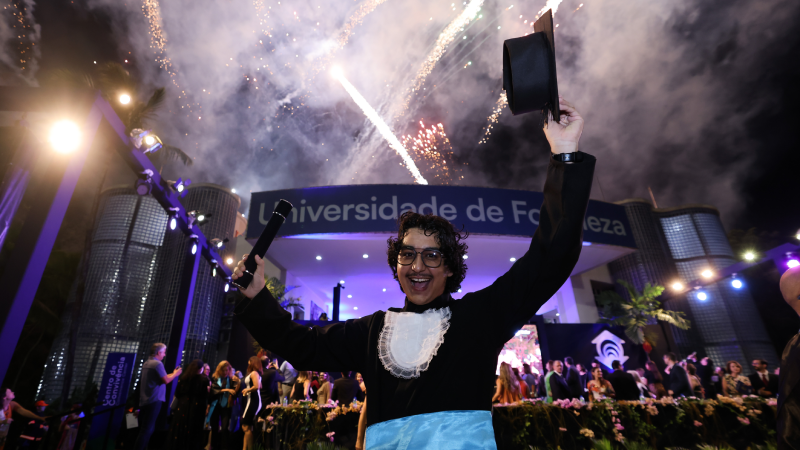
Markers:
point(529, 70)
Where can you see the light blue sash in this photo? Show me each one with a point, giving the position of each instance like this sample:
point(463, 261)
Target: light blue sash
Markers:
point(446, 430)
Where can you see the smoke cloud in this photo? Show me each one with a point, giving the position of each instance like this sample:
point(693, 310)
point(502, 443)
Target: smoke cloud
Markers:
point(668, 89)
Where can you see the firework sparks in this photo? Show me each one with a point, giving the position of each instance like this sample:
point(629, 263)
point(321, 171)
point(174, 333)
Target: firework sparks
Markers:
point(433, 150)
point(493, 118)
point(445, 38)
point(376, 120)
point(551, 4)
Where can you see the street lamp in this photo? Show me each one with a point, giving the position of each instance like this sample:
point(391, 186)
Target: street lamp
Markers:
point(65, 136)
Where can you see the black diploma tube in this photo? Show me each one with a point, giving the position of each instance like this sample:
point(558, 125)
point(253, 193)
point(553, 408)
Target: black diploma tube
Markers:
point(264, 241)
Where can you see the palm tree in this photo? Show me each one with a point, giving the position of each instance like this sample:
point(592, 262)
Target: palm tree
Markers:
point(642, 309)
point(112, 80)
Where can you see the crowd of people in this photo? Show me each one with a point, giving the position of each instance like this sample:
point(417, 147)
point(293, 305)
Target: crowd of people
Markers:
point(681, 378)
point(216, 411)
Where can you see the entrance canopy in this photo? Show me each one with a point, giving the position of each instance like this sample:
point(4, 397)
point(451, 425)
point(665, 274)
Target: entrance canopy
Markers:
point(339, 233)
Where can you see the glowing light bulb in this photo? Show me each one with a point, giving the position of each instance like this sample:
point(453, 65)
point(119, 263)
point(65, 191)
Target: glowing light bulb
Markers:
point(227, 287)
point(702, 296)
point(336, 72)
point(194, 249)
point(677, 286)
point(124, 99)
point(319, 258)
point(749, 256)
point(707, 273)
point(65, 136)
point(149, 140)
point(512, 259)
point(793, 263)
point(365, 256)
point(736, 283)
point(173, 222)
point(229, 261)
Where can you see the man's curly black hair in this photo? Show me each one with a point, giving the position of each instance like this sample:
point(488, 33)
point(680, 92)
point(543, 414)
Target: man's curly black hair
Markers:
point(451, 243)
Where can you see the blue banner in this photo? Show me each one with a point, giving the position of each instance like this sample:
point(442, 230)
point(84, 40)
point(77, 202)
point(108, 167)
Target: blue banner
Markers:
point(374, 208)
point(113, 392)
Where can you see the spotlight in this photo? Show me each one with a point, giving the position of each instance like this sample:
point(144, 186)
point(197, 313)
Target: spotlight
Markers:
point(194, 238)
point(678, 286)
point(707, 273)
point(513, 259)
point(466, 256)
point(198, 217)
point(340, 281)
point(793, 263)
point(702, 296)
point(365, 256)
point(355, 308)
point(144, 183)
point(336, 72)
point(349, 296)
point(227, 287)
point(219, 243)
point(201, 217)
point(319, 258)
point(214, 270)
point(229, 261)
point(384, 289)
point(124, 99)
point(65, 136)
point(233, 190)
point(181, 185)
point(736, 283)
point(749, 256)
point(173, 218)
point(145, 140)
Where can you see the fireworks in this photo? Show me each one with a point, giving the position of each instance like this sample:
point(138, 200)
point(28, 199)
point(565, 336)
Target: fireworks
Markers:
point(373, 116)
point(499, 106)
point(445, 38)
point(433, 150)
point(551, 4)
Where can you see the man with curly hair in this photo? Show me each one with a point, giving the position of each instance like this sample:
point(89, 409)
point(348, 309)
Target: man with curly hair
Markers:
point(406, 355)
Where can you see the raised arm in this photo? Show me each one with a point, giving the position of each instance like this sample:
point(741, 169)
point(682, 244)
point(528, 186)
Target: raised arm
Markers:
point(555, 247)
point(333, 348)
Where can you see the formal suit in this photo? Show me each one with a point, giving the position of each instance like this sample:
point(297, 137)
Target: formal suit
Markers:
point(678, 382)
point(758, 383)
point(624, 385)
point(558, 387)
point(789, 397)
point(705, 373)
point(541, 389)
point(573, 378)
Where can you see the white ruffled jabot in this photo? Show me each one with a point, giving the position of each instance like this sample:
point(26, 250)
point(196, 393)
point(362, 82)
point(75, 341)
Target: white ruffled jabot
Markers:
point(409, 341)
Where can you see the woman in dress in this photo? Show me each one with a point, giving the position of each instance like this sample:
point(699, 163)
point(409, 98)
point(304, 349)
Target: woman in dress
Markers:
point(252, 395)
point(599, 388)
point(694, 381)
point(186, 430)
point(301, 388)
point(507, 386)
point(655, 381)
point(734, 384)
point(223, 391)
point(523, 386)
point(324, 393)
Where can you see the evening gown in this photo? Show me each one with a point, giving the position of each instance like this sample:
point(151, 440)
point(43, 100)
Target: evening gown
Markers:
point(186, 429)
point(253, 402)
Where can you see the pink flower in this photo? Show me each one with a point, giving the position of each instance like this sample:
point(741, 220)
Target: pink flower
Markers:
point(619, 427)
point(330, 435)
point(744, 420)
point(563, 429)
point(698, 423)
point(270, 418)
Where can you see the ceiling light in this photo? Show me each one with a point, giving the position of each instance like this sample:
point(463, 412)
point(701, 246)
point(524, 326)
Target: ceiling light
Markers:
point(124, 99)
point(319, 258)
point(365, 256)
point(513, 259)
point(355, 308)
point(707, 273)
point(65, 136)
point(349, 296)
point(702, 296)
point(229, 261)
point(736, 283)
point(677, 286)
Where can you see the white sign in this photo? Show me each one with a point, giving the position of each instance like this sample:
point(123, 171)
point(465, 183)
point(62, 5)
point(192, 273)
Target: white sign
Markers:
point(609, 348)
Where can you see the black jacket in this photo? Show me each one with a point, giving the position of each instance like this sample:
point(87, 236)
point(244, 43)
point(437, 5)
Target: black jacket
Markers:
point(705, 373)
point(678, 382)
point(345, 390)
point(573, 378)
point(498, 311)
point(624, 385)
point(757, 382)
point(541, 390)
point(270, 392)
point(789, 397)
point(559, 387)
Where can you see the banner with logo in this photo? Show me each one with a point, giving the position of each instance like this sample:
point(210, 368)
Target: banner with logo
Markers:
point(374, 208)
point(590, 342)
point(113, 392)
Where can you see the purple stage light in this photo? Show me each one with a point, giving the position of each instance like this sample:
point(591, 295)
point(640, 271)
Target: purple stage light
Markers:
point(793, 263)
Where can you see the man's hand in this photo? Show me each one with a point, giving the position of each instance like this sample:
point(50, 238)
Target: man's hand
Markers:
point(563, 136)
point(258, 282)
point(177, 371)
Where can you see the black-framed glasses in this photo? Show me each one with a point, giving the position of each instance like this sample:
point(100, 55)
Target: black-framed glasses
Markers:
point(432, 258)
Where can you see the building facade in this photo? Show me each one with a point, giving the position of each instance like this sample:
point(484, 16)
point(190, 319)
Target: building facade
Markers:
point(677, 245)
point(121, 278)
point(202, 336)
